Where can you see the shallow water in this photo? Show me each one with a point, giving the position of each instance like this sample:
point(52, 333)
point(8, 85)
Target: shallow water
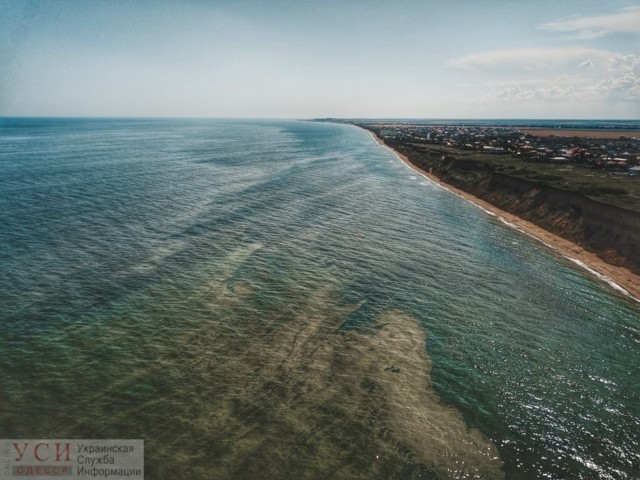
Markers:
point(247, 296)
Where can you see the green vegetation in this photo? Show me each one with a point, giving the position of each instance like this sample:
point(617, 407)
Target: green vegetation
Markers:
point(605, 186)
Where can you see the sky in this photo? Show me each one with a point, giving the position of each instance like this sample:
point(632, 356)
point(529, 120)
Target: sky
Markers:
point(321, 58)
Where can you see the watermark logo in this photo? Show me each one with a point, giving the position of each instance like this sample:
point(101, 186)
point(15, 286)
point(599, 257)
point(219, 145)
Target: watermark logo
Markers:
point(71, 459)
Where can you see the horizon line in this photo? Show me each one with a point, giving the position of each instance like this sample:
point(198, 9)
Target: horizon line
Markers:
point(180, 117)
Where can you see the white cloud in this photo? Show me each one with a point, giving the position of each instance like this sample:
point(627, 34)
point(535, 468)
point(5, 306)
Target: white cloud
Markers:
point(564, 75)
point(624, 21)
point(620, 83)
point(558, 75)
point(531, 60)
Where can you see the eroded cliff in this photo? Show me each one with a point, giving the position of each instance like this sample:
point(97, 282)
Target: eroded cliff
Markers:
point(611, 232)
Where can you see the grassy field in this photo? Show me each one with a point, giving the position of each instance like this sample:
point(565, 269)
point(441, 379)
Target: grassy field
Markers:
point(609, 187)
point(559, 132)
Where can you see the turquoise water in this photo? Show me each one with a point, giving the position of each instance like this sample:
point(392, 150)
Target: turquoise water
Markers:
point(152, 269)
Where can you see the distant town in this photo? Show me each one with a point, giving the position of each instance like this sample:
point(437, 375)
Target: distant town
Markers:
point(616, 152)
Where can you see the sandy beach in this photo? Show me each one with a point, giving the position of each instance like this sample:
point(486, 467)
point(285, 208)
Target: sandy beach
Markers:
point(619, 278)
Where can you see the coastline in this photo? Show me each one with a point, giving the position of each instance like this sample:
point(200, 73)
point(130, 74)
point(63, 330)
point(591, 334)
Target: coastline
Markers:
point(618, 278)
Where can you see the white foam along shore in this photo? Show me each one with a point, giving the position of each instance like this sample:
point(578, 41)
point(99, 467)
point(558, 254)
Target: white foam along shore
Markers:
point(530, 230)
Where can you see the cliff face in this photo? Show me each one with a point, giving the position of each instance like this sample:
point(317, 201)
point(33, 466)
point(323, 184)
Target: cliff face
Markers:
point(611, 232)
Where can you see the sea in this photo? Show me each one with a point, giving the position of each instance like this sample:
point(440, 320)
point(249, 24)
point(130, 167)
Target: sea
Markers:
point(287, 299)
